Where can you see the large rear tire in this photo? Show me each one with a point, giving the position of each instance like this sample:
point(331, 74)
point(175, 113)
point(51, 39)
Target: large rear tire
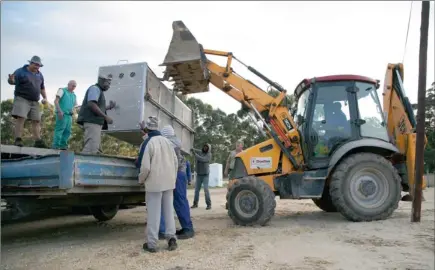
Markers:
point(365, 187)
point(250, 202)
point(325, 202)
point(104, 212)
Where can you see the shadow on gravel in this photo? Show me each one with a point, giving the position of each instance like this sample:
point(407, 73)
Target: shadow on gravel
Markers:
point(68, 227)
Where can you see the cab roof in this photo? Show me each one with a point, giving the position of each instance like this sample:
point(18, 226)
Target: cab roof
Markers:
point(305, 83)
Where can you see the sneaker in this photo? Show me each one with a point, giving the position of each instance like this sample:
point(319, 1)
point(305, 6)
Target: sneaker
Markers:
point(172, 244)
point(162, 236)
point(184, 234)
point(149, 249)
point(40, 144)
point(208, 207)
point(194, 206)
point(19, 142)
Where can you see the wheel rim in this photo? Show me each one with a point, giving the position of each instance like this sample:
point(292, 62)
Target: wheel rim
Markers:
point(369, 188)
point(246, 203)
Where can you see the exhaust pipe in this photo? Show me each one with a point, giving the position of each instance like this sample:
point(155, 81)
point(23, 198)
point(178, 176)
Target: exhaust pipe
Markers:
point(185, 62)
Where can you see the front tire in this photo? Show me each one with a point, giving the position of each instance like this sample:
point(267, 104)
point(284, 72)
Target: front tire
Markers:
point(250, 201)
point(365, 187)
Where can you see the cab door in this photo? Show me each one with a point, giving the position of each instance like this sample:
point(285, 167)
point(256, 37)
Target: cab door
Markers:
point(330, 120)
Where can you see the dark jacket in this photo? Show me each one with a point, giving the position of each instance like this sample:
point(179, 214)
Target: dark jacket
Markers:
point(188, 172)
point(151, 134)
point(203, 160)
point(86, 115)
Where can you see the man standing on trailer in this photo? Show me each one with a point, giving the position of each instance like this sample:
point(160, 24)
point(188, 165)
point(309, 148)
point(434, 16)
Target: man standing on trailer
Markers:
point(92, 115)
point(203, 158)
point(158, 170)
point(181, 204)
point(64, 107)
point(29, 86)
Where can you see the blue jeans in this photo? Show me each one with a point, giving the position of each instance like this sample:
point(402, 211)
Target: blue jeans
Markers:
point(202, 180)
point(181, 204)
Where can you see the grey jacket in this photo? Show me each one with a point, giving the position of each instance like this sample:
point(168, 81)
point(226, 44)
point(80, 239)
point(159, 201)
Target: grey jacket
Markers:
point(202, 160)
point(177, 147)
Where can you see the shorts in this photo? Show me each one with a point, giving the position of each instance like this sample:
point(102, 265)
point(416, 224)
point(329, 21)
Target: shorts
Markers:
point(26, 109)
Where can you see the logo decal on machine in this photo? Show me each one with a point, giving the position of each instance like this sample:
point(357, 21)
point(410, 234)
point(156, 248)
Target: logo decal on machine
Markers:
point(261, 163)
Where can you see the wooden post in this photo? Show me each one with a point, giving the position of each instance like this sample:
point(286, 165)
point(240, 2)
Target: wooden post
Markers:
point(419, 157)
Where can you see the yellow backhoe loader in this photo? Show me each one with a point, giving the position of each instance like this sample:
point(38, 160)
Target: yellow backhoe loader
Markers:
point(336, 147)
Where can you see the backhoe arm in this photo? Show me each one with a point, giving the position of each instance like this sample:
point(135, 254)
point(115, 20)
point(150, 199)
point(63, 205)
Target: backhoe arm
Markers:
point(401, 122)
point(190, 70)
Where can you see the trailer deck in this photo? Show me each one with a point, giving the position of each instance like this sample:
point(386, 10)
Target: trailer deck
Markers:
point(40, 178)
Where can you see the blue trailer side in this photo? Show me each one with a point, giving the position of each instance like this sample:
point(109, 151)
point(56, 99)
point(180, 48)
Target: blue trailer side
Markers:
point(62, 178)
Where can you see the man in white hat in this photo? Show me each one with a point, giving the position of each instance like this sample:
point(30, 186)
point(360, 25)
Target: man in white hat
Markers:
point(158, 171)
point(29, 87)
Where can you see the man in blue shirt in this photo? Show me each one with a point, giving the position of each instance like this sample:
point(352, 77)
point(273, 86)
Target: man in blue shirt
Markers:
point(29, 86)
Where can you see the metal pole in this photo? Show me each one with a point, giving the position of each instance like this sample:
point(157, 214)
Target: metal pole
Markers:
point(419, 157)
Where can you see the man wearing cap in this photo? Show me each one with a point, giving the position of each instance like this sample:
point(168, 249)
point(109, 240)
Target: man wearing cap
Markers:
point(92, 115)
point(158, 170)
point(64, 107)
point(29, 86)
point(181, 204)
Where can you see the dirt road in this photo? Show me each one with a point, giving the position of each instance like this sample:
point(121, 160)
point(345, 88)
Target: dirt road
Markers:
point(300, 236)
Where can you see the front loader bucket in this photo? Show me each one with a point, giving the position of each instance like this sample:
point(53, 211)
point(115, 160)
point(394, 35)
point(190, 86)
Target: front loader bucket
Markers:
point(185, 62)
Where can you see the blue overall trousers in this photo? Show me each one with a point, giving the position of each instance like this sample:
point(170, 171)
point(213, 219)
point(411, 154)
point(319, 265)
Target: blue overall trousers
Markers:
point(181, 204)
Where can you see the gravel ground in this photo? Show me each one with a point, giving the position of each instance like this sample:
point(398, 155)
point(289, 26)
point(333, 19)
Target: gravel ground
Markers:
point(300, 236)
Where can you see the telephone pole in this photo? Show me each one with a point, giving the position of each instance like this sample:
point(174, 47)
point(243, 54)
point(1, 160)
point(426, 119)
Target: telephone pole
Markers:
point(419, 156)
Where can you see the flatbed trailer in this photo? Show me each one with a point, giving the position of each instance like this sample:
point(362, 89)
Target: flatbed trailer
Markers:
point(34, 180)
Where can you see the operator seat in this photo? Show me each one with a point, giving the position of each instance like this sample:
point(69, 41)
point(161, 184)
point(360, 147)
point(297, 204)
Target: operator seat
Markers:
point(339, 118)
point(336, 120)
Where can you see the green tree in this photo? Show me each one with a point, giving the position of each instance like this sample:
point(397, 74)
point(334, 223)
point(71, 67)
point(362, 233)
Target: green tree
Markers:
point(429, 153)
point(211, 126)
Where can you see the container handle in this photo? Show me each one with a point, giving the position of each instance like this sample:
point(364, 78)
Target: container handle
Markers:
point(119, 61)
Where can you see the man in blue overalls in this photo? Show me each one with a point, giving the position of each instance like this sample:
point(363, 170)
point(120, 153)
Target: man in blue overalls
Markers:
point(64, 103)
point(181, 204)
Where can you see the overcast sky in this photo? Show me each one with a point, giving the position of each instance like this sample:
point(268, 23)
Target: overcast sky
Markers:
point(286, 41)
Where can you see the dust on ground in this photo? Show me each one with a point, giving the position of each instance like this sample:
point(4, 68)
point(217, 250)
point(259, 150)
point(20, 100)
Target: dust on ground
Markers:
point(300, 236)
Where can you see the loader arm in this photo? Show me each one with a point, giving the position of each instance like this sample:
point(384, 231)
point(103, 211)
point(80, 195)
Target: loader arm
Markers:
point(189, 69)
point(401, 122)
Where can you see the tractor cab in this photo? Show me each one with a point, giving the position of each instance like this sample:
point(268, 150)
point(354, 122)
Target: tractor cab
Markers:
point(333, 110)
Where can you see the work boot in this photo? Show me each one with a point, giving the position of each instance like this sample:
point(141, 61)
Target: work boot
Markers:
point(194, 206)
point(40, 144)
point(172, 244)
point(184, 234)
point(147, 248)
point(19, 142)
point(162, 236)
point(208, 207)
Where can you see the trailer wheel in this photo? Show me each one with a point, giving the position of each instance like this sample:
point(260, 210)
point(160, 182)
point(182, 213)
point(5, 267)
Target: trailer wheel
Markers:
point(325, 202)
point(250, 202)
point(365, 187)
point(104, 212)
